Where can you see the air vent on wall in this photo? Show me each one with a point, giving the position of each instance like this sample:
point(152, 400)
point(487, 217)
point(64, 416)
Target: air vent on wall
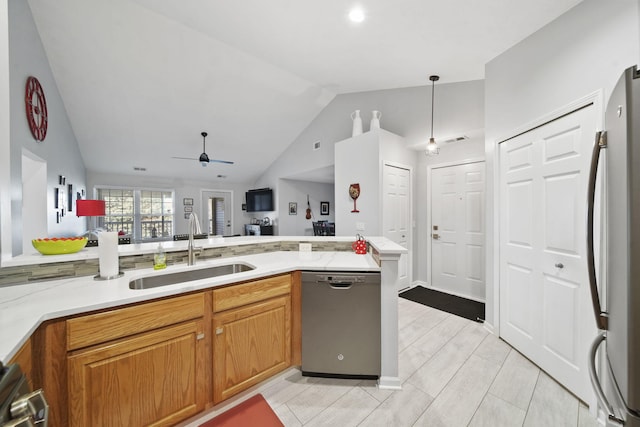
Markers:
point(456, 139)
point(139, 169)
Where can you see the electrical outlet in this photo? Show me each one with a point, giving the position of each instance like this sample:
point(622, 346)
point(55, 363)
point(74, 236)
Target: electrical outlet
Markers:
point(304, 247)
point(359, 226)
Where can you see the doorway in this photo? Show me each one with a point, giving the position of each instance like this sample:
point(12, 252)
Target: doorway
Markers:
point(396, 216)
point(457, 230)
point(34, 199)
point(217, 208)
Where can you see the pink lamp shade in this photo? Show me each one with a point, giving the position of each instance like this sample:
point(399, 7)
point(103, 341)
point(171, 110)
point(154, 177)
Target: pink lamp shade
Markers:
point(90, 208)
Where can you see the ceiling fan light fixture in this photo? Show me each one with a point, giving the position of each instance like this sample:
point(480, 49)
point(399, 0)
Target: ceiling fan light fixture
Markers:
point(204, 159)
point(432, 146)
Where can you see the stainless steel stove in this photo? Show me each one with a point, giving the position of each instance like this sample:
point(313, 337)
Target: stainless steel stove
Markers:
point(19, 406)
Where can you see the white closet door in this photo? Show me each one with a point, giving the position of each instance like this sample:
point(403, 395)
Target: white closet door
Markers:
point(396, 216)
point(457, 230)
point(544, 293)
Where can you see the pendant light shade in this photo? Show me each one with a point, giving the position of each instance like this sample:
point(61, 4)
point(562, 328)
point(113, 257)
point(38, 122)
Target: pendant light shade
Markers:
point(432, 147)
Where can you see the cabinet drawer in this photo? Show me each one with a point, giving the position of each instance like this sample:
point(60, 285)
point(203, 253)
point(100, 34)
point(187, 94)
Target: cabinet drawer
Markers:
point(101, 327)
point(247, 293)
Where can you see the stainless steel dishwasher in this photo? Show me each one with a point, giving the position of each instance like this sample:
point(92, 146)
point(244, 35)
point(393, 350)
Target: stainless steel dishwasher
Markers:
point(341, 324)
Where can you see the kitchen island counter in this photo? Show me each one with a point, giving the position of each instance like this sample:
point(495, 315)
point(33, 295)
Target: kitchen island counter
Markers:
point(25, 306)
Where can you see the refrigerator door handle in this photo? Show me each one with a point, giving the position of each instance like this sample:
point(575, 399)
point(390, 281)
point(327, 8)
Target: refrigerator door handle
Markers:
point(595, 381)
point(601, 316)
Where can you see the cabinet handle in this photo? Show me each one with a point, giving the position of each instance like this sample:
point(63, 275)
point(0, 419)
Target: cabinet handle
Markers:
point(200, 336)
point(219, 331)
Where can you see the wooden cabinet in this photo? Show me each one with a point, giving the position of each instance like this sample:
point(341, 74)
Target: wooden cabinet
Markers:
point(152, 376)
point(252, 334)
point(160, 362)
point(24, 358)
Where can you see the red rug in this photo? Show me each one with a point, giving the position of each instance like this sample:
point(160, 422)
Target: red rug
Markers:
point(252, 412)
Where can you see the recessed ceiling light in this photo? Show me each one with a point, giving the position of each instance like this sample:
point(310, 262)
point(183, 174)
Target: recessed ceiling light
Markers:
point(356, 15)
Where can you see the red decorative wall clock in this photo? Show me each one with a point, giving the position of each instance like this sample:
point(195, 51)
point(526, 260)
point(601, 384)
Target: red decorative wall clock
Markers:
point(36, 106)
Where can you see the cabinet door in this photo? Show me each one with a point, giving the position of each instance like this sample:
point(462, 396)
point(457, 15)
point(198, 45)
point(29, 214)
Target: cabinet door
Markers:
point(150, 379)
point(250, 344)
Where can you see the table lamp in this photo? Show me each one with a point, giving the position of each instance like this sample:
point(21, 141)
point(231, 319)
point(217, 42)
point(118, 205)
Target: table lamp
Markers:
point(90, 208)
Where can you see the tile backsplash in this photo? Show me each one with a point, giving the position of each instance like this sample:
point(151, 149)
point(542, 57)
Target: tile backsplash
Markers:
point(53, 271)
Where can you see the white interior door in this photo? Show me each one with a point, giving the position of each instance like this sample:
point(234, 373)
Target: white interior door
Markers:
point(396, 216)
point(544, 294)
point(217, 213)
point(457, 230)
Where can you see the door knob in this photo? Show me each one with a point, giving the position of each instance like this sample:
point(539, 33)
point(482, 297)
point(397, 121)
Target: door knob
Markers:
point(435, 236)
point(559, 265)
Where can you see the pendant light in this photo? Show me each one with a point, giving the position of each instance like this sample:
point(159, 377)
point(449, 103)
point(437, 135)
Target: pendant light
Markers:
point(432, 147)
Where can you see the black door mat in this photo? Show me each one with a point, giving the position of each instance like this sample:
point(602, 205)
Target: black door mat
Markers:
point(469, 309)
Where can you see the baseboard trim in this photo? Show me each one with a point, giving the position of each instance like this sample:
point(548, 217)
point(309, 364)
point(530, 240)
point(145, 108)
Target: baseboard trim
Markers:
point(389, 383)
point(489, 328)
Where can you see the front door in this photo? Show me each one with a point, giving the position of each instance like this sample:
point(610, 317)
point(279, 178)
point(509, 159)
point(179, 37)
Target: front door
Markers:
point(217, 211)
point(396, 216)
point(544, 293)
point(457, 230)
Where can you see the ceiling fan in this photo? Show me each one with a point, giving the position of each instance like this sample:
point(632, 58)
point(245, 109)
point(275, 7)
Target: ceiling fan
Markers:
point(204, 158)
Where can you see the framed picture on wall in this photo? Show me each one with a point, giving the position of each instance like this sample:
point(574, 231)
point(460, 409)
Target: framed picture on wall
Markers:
point(293, 208)
point(188, 209)
point(187, 201)
point(70, 197)
point(324, 208)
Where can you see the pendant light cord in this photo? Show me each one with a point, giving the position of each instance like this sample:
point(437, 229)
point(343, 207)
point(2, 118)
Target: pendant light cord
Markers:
point(433, 79)
point(433, 87)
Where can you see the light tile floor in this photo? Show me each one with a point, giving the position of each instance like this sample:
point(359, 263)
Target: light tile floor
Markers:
point(454, 373)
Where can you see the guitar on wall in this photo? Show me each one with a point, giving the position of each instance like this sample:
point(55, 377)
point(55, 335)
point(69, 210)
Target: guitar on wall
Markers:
point(308, 208)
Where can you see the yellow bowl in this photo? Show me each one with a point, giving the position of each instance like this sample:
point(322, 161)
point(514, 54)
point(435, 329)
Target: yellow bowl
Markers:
point(59, 245)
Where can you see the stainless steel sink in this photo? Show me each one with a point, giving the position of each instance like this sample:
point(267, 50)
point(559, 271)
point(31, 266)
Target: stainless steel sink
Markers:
point(187, 276)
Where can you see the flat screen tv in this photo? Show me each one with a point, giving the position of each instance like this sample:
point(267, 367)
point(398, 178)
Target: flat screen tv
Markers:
point(260, 200)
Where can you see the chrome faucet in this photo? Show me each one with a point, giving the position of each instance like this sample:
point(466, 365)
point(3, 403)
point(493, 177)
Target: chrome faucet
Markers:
point(194, 228)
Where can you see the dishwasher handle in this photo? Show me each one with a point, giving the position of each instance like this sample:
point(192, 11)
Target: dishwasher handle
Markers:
point(340, 285)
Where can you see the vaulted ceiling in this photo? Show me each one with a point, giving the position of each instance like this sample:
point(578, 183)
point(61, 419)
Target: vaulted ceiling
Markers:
point(140, 79)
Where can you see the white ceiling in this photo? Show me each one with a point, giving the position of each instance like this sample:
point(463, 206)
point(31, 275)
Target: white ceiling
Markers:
point(141, 79)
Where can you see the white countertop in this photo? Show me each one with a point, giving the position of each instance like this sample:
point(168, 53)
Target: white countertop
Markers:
point(24, 307)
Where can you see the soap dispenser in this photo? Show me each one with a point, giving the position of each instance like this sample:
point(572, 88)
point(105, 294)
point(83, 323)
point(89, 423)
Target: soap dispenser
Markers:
point(159, 258)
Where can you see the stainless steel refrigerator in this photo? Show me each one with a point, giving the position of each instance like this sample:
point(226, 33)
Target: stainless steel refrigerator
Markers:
point(617, 384)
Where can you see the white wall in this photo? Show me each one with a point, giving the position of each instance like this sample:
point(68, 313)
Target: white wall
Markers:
point(583, 51)
point(360, 160)
point(5, 138)
point(297, 191)
point(59, 149)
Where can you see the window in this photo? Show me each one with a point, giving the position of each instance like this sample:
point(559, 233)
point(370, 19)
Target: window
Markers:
point(141, 214)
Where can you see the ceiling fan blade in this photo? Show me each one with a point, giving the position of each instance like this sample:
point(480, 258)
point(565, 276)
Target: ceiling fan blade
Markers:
point(184, 158)
point(227, 162)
